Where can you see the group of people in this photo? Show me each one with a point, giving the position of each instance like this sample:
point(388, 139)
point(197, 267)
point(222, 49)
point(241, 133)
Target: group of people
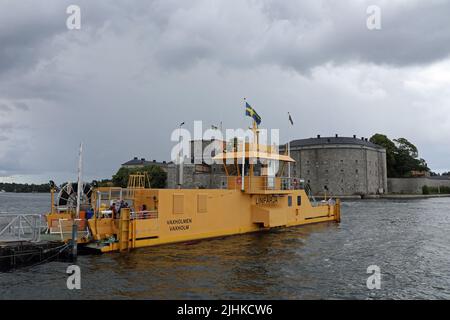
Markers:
point(116, 207)
point(119, 205)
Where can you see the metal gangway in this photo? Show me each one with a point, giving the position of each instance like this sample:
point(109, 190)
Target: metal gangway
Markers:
point(21, 227)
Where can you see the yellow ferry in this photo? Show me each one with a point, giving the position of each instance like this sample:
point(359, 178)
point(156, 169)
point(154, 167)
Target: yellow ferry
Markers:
point(247, 203)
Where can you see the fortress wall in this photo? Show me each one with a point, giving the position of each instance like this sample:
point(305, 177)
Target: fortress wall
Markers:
point(344, 169)
point(414, 185)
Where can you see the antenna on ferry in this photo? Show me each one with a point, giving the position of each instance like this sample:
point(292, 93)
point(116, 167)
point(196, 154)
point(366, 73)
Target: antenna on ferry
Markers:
point(77, 217)
point(289, 148)
point(243, 157)
point(180, 158)
point(80, 182)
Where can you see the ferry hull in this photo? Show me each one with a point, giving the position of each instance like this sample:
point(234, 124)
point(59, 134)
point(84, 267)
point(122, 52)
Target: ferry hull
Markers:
point(187, 215)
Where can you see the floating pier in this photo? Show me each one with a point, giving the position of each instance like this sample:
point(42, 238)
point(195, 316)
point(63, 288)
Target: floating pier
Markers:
point(16, 254)
point(24, 242)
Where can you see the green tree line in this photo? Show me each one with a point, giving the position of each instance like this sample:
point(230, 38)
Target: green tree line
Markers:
point(402, 156)
point(24, 187)
point(157, 176)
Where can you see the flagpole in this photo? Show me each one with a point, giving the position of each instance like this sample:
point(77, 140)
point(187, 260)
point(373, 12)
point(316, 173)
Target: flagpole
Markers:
point(289, 164)
point(289, 151)
point(180, 158)
point(80, 183)
point(289, 155)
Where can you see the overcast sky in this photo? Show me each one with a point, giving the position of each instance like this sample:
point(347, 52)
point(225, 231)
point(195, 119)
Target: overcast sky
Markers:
point(136, 69)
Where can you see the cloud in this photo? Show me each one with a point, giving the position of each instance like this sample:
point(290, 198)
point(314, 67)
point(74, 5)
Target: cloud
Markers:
point(4, 108)
point(136, 69)
point(21, 106)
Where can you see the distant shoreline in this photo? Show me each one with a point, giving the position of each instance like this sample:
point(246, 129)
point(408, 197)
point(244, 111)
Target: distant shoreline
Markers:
point(389, 197)
point(25, 192)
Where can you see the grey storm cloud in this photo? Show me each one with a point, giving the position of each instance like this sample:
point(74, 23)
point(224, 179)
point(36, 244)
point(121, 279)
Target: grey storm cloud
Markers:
point(298, 35)
point(4, 107)
point(137, 68)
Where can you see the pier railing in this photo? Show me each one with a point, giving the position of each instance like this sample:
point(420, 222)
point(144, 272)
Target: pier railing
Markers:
point(21, 227)
point(64, 228)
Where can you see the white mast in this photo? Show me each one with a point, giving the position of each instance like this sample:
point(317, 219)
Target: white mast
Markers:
point(243, 164)
point(80, 183)
point(180, 157)
point(289, 152)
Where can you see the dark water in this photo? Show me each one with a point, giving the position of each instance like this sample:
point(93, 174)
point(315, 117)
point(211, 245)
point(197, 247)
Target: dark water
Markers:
point(408, 240)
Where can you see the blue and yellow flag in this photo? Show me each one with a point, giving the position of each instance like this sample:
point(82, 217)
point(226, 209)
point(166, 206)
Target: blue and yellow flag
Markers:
point(249, 111)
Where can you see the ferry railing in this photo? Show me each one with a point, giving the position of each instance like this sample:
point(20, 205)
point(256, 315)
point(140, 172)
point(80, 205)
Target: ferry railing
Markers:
point(265, 183)
point(65, 228)
point(142, 215)
point(113, 195)
point(21, 227)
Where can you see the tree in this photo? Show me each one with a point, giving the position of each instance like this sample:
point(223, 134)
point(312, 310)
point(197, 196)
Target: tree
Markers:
point(156, 175)
point(391, 150)
point(401, 156)
point(407, 147)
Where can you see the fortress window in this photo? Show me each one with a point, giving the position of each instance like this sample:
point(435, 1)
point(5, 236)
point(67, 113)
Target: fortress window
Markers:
point(342, 170)
point(290, 201)
point(299, 200)
point(356, 171)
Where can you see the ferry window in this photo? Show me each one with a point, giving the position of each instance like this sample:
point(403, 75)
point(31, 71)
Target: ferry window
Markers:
point(299, 200)
point(178, 203)
point(202, 203)
point(289, 201)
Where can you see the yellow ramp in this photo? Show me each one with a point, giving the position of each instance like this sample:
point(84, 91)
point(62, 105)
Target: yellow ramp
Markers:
point(270, 217)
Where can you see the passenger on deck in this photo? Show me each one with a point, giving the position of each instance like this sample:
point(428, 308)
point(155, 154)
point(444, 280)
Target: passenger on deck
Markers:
point(143, 214)
point(113, 210)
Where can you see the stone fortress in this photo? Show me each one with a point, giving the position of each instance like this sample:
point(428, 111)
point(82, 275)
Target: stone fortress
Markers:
point(336, 165)
point(341, 165)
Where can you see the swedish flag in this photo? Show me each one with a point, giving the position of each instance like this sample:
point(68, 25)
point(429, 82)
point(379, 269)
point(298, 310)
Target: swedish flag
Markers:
point(249, 111)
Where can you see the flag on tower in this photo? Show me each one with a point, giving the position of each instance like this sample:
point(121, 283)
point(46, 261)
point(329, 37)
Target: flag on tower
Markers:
point(249, 111)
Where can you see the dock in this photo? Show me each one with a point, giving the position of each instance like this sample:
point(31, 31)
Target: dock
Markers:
point(24, 242)
point(17, 254)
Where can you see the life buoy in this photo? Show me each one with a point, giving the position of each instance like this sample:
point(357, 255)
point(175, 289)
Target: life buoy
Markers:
point(239, 180)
